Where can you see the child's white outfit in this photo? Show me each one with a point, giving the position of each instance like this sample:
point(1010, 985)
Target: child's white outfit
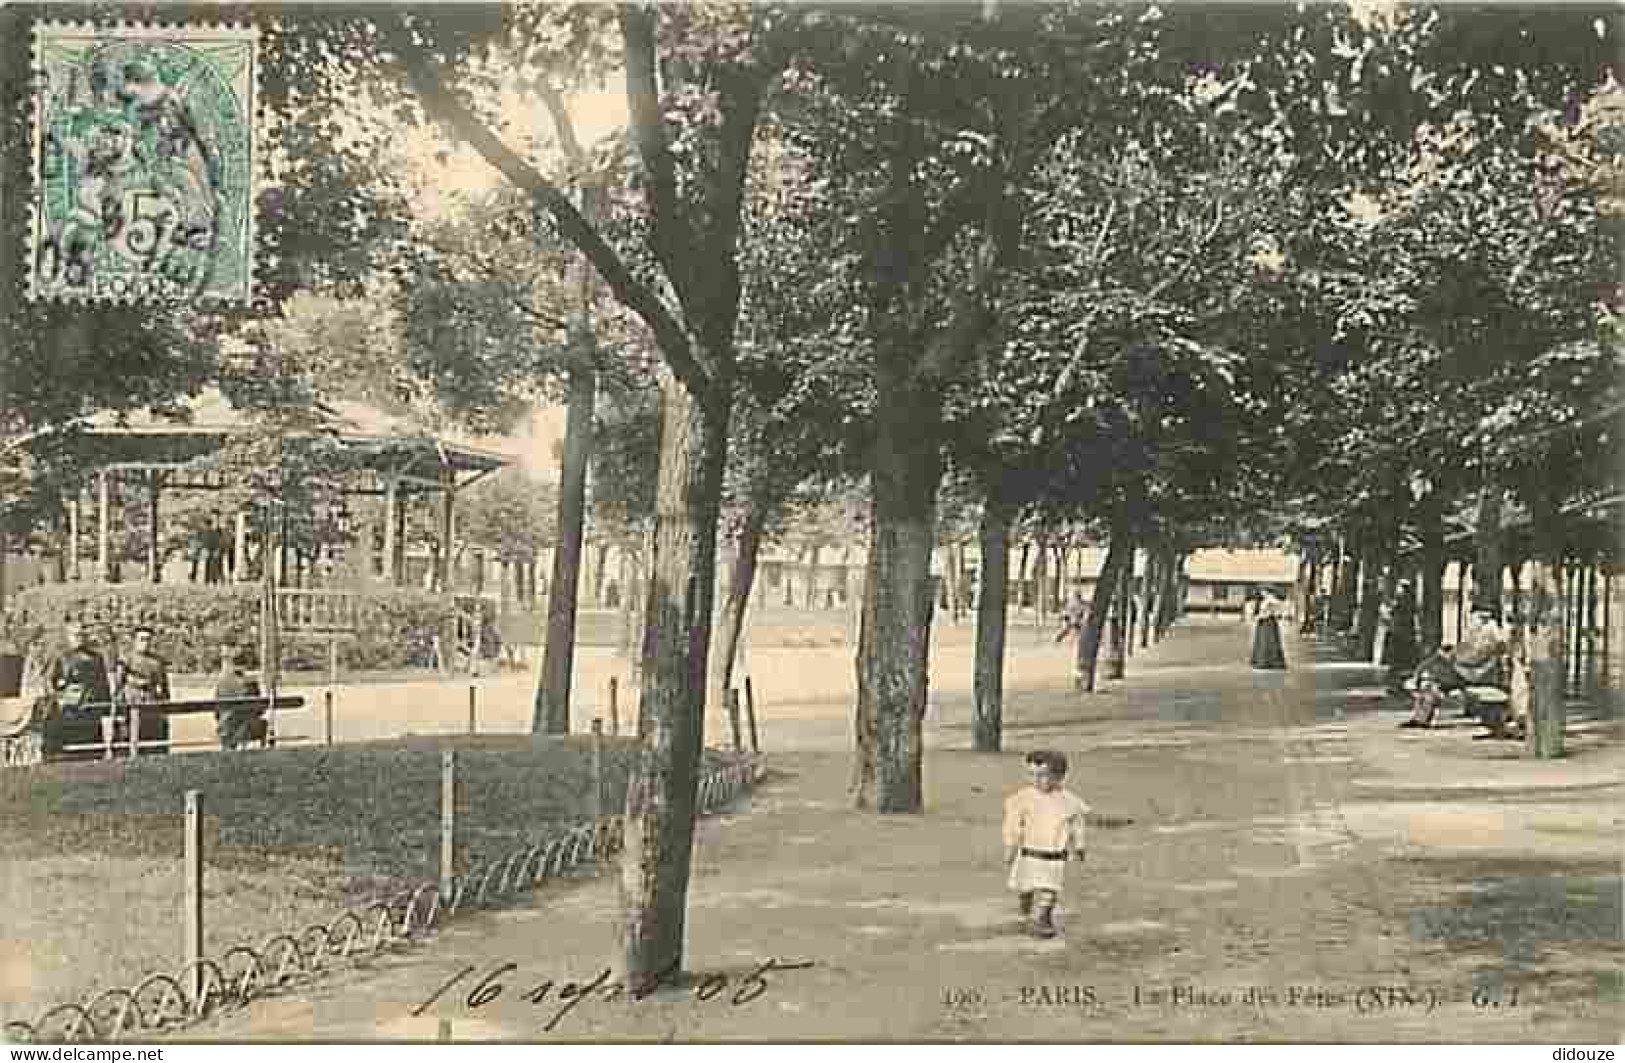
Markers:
point(1044, 829)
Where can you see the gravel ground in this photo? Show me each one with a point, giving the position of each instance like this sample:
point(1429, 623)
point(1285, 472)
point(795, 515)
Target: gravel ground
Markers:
point(1273, 861)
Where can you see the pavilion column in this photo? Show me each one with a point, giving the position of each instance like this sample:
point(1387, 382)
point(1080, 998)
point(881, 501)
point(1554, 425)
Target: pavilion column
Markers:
point(448, 527)
point(155, 573)
point(391, 510)
point(239, 564)
point(104, 541)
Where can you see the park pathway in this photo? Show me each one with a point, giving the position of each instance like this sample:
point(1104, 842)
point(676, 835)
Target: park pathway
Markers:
point(1272, 861)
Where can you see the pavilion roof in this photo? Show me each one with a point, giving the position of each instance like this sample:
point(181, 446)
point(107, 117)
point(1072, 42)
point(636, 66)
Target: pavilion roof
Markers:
point(386, 442)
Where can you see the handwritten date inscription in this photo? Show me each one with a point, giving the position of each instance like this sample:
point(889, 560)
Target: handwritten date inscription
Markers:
point(561, 997)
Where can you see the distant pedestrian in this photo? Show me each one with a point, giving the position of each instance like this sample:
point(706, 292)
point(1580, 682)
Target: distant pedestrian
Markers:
point(1043, 826)
point(1267, 650)
point(1480, 660)
point(1073, 616)
point(1399, 650)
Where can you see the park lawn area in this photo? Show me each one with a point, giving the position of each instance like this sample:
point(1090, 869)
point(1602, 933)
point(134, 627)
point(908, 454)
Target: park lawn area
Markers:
point(91, 879)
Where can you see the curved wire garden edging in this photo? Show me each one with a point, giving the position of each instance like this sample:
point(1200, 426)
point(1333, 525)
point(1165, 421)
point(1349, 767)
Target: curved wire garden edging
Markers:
point(162, 1003)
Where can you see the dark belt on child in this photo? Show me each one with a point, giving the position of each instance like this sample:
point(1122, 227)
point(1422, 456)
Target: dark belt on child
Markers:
point(1044, 854)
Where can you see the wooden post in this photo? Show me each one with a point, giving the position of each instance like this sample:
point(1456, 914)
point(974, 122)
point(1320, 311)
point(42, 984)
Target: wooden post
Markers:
point(731, 696)
point(192, 904)
point(104, 540)
point(473, 694)
point(448, 821)
point(750, 714)
point(597, 768)
point(615, 705)
point(327, 717)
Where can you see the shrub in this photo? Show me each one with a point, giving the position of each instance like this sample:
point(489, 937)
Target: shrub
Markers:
point(396, 628)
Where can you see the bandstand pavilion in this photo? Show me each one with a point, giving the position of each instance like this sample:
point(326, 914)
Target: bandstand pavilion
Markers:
point(387, 459)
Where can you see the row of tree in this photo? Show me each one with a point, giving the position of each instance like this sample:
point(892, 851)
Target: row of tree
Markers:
point(1166, 276)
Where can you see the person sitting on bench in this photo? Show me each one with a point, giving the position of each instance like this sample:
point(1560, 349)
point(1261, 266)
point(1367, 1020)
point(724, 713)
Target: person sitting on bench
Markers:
point(1477, 661)
point(238, 726)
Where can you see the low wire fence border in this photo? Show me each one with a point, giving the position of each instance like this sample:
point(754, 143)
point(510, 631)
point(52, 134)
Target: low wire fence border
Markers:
point(163, 1003)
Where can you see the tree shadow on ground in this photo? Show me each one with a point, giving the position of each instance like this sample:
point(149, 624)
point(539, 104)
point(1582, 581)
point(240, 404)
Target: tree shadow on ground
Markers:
point(1504, 920)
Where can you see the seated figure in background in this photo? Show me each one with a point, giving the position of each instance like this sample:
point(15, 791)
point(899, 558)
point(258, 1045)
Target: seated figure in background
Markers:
point(1476, 661)
point(238, 726)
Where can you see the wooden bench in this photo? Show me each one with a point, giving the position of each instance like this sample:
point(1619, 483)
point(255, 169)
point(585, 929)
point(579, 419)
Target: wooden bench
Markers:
point(108, 716)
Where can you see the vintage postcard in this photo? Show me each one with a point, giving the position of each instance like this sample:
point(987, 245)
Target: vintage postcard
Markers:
point(985, 522)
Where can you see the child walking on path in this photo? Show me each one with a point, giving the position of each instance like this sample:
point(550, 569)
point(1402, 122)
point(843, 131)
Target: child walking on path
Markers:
point(1043, 825)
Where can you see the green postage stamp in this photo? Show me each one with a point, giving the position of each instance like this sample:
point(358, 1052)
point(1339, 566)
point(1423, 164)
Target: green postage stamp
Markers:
point(144, 148)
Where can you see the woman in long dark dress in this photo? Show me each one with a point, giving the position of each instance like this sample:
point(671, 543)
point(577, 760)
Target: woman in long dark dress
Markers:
point(1399, 649)
point(1267, 651)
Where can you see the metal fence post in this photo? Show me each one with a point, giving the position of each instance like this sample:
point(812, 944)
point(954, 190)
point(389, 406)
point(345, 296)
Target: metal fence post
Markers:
point(597, 762)
point(448, 821)
point(192, 902)
point(473, 694)
point(732, 698)
point(327, 716)
point(750, 712)
point(615, 705)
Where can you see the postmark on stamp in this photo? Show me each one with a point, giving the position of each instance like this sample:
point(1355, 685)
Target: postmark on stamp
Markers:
point(144, 148)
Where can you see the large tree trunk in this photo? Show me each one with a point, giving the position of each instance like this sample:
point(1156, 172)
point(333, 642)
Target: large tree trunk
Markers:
point(600, 574)
point(550, 713)
point(1543, 630)
point(1430, 629)
point(1117, 626)
point(1168, 605)
point(947, 588)
point(731, 620)
point(810, 591)
point(865, 742)
point(987, 726)
point(1040, 576)
point(907, 471)
point(1148, 584)
point(1365, 628)
point(1388, 595)
point(632, 579)
point(661, 793)
point(1341, 610)
point(1121, 547)
point(1488, 562)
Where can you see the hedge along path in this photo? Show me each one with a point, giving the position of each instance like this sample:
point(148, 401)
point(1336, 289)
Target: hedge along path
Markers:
point(394, 628)
point(164, 1002)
